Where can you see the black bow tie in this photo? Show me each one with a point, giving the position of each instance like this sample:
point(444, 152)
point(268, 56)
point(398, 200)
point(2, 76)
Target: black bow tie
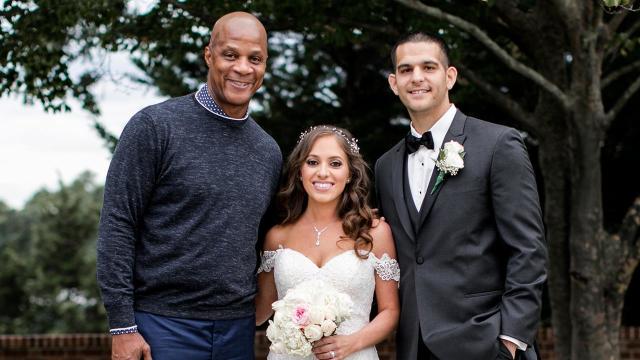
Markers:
point(413, 143)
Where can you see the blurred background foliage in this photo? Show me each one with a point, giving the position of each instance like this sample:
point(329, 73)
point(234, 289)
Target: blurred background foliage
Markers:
point(48, 257)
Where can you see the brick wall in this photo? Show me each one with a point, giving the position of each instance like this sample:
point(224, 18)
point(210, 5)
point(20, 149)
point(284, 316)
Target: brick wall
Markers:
point(97, 346)
point(56, 347)
point(629, 343)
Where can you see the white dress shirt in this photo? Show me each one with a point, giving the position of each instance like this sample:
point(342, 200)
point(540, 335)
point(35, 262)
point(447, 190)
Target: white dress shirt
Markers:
point(420, 166)
point(421, 163)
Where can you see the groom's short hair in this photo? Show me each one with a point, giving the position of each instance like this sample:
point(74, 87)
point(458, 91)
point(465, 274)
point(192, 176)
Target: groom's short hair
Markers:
point(420, 36)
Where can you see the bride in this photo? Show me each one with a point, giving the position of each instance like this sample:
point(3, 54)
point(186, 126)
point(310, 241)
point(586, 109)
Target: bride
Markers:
point(329, 233)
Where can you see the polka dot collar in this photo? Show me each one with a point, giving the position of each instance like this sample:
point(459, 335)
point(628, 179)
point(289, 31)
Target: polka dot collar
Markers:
point(207, 102)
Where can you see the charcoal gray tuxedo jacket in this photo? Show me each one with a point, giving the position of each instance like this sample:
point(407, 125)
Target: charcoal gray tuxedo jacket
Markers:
point(473, 258)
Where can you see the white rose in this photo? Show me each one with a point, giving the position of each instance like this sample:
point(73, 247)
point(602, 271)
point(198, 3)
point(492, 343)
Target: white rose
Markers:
point(329, 314)
point(273, 332)
point(303, 349)
point(295, 341)
point(328, 327)
point(454, 160)
point(316, 314)
point(453, 147)
point(280, 317)
point(313, 332)
point(278, 348)
point(328, 300)
point(277, 305)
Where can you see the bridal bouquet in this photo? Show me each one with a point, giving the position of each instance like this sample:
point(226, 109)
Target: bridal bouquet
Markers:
point(308, 312)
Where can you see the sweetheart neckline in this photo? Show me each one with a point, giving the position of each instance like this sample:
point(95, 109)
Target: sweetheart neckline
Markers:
point(326, 263)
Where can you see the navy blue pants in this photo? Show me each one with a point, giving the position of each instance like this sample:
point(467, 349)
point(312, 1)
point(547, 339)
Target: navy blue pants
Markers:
point(180, 339)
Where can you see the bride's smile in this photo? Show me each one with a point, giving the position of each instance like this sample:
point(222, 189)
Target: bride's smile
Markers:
point(325, 172)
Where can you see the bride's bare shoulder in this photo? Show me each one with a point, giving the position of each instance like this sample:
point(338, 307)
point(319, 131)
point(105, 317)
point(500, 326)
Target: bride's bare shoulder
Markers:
point(382, 238)
point(380, 228)
point(276, 237)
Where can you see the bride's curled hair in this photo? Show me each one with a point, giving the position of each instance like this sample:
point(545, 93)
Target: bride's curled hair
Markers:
point(353, 210)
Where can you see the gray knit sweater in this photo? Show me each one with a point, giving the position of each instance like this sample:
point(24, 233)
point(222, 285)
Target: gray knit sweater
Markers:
point(184, 197)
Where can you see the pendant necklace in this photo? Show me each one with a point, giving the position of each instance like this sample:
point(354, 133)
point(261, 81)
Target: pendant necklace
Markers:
point(318, 233)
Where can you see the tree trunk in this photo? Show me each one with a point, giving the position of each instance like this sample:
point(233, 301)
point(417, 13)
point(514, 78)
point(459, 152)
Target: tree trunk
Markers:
point(552, 156)
point(585, 241)
point(619, 260)
point(614, 301)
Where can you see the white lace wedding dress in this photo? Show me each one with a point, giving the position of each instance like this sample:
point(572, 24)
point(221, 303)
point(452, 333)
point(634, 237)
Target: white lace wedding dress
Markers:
point(347, 272)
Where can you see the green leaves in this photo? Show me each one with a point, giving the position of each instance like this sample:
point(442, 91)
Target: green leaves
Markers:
point(620, 5)
point(47, 251)
point(617, 2)
point(39, 42)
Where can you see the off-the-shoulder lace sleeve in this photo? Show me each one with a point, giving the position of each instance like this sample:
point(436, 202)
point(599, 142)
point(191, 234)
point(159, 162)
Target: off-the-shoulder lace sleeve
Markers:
point(387, 268)
point(266, 261)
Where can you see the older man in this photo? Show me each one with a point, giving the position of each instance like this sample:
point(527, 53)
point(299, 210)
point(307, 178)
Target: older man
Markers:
point(187, 187)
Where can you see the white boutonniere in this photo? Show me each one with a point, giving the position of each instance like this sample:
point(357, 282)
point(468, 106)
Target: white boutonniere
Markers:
point(449, 162)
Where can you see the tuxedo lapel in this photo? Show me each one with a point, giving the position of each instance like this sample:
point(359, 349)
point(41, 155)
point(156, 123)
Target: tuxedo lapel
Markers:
point(397, 180)
point(455, 133)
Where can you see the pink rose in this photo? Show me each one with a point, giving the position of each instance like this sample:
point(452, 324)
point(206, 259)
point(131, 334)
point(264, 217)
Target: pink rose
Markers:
point(300, 315)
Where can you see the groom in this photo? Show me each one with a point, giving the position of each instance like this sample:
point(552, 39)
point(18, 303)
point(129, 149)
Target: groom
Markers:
point(468, 229)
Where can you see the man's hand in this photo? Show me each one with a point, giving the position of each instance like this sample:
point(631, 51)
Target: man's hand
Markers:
point(510, 346)
point(129, 347)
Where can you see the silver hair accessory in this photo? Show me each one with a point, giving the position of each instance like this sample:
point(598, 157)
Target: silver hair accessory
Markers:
point(352, 142)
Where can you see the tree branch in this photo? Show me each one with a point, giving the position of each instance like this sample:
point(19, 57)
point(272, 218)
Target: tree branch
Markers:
point(629, 240)
point(614, 75)
point(630, 228)
point(616, 21)
point(525, 119)
point(510, 9)
point(622, 101)
point(481, 36)
point(569, 11)
point(623, 37)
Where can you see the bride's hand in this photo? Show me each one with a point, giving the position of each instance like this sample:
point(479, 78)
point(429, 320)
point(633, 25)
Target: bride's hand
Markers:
point(334, 347)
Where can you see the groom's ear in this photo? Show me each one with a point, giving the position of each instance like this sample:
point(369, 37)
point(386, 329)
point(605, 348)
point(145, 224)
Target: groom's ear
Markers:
point(452, 76)
point(393, 83)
